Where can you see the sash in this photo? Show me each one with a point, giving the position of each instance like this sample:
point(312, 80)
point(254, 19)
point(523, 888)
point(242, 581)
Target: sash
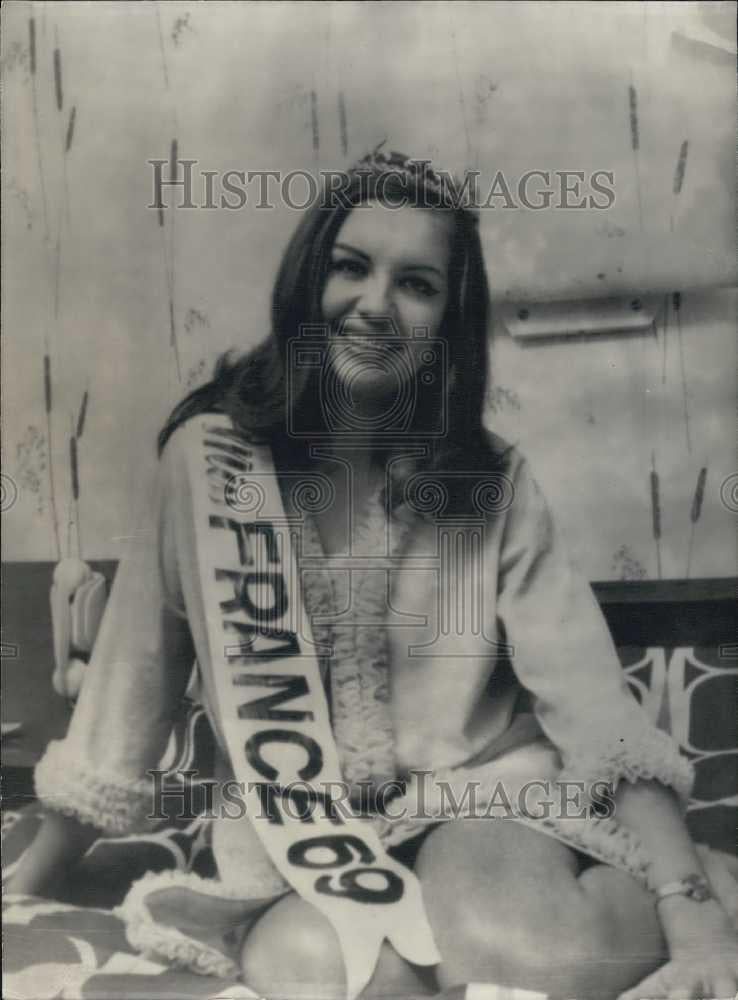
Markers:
point(272, 708)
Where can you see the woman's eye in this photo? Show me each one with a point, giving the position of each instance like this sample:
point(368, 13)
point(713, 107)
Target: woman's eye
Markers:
point(352, 268)
point(419, 285)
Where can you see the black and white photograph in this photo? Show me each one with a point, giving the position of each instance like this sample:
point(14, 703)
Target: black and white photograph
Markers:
point(369, 500)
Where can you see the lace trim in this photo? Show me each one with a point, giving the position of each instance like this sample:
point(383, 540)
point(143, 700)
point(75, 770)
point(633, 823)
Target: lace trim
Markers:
point(101, 798)
point(653, 756)
point(475, 793)
point(156, 940)
point(602, 838)
point(649, 755)
point(360, 676)
point(599, 837)
point(318, 594)
point(359, 671)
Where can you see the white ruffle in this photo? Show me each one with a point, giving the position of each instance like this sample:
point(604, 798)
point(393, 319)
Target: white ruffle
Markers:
point(602, 838)
point(156, 940)
point(104, 799)
point(645, 754)
point(359, 668)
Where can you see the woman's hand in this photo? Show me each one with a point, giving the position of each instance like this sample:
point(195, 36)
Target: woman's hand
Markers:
point(46, 863)
point(702, 965)
point(709, 974)
point(701, 938)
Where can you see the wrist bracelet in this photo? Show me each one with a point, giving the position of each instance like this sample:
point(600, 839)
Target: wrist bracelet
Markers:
point(694, 887)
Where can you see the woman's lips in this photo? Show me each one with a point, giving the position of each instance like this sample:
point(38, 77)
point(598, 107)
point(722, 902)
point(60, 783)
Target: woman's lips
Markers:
point(363, 341)
point(355, 331)
point(382, 337)
point(381, 326)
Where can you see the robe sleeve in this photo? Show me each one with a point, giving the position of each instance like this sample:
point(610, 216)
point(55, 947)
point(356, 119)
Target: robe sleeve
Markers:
point(564, 655)
point(137, 674)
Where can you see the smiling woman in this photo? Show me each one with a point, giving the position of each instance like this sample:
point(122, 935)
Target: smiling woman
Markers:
point(445, 636)
point(388, 277)
point(391, 258)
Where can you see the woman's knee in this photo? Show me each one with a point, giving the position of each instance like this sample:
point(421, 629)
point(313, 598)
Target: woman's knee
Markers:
point(603, 949)
point(532, 924)
point(546, 946)
point(572, 957)
point(293, 951)
point(629, 921)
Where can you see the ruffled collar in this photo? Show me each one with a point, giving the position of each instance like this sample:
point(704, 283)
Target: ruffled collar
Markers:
point(347, 608)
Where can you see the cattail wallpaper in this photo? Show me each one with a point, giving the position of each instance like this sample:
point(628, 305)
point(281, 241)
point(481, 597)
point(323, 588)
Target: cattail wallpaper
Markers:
point(113, 306)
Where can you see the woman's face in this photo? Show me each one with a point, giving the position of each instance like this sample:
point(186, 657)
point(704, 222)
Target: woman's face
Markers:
point(387, 276)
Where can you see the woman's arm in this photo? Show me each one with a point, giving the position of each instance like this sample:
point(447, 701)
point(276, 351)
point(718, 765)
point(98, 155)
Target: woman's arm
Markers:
point(57, 847)
point(94, 781)
point(564, 655)
point(702, 941)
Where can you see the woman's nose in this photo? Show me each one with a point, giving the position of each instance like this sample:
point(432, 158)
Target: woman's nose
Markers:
point(375, 301)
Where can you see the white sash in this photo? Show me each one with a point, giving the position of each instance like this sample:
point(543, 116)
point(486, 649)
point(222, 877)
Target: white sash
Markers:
point(273, 711)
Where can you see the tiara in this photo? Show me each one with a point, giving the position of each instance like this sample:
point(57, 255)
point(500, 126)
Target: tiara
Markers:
point(400, 163)
point(415, 171)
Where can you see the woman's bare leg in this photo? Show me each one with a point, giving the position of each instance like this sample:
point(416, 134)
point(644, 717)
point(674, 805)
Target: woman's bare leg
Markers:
point(293, 952)
point(507, 905)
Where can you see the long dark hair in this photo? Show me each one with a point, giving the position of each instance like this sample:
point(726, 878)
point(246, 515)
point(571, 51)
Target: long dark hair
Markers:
point(252, 388)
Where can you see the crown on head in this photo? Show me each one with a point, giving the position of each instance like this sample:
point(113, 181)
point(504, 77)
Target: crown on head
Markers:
point(418, 173)
point(399, 163)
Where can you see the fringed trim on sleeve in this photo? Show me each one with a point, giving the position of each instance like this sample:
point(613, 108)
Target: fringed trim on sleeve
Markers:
point(601, 837)
point(156, 940)
point(114, 805)
point(475, 793)
point(647, 755)
point(163, 940)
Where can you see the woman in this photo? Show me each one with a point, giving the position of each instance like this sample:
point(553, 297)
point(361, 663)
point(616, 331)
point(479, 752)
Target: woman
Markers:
point(392, 271)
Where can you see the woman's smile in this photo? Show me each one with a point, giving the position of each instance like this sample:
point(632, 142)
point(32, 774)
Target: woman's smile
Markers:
point(387, 278)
